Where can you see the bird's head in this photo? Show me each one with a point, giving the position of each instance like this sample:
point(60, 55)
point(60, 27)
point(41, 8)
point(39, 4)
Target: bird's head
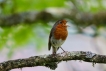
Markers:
point(63, 23)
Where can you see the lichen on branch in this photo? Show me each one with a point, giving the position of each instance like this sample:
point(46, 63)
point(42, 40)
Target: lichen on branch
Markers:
point(51, 61)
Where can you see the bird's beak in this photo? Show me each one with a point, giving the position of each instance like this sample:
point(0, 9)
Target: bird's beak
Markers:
point(67, 25)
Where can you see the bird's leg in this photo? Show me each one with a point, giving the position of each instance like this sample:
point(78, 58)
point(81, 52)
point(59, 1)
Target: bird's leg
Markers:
point(54, 54)
point(54, 51)
point(63, 49)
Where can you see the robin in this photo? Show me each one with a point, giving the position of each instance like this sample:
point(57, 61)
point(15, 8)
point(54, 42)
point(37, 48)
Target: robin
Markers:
point(58, 35)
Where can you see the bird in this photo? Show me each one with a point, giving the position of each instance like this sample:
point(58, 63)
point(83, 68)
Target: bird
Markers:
point(58, 35)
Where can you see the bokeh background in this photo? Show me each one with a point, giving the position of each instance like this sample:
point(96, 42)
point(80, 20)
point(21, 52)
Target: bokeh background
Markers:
point(25, 26)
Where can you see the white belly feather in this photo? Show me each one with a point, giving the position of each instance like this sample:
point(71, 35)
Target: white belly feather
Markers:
point(56, 43)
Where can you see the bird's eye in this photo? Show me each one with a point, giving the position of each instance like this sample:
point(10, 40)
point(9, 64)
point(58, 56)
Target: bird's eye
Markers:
point(60, 22)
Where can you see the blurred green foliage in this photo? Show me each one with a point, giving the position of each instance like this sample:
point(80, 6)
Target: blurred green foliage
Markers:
point(14, 6)
point(89, 5)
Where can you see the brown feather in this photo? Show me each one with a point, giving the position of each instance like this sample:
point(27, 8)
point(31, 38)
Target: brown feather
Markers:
point(60, 32)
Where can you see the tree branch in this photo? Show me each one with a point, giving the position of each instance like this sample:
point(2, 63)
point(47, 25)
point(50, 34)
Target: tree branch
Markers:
point(81, 19)
point(52, 61)
point(26, 17)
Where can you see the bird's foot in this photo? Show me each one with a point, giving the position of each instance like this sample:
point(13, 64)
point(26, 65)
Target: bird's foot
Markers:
point(65, 53)
point(54, 55)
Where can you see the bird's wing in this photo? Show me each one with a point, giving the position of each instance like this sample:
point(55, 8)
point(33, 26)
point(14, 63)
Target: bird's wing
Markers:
point(49, 43)
point(51, 34)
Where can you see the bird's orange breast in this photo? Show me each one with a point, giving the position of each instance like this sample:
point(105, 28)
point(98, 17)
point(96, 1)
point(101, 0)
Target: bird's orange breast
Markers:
point(60, 32)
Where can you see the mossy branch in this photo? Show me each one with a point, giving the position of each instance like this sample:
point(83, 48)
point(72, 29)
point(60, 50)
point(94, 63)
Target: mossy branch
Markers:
point(52, 61)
